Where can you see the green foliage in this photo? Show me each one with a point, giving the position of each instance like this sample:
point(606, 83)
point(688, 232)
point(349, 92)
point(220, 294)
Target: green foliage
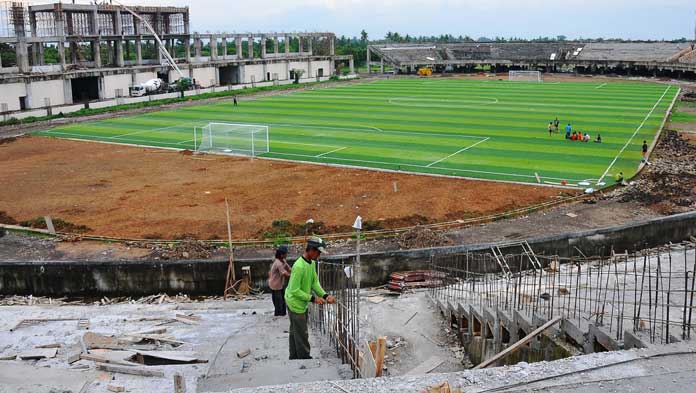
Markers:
point(59, 224)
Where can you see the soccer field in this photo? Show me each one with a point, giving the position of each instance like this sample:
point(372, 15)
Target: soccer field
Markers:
point(495, 130)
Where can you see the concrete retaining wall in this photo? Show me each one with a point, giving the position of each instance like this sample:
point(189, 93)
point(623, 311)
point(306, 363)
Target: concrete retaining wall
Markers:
point(51, 278)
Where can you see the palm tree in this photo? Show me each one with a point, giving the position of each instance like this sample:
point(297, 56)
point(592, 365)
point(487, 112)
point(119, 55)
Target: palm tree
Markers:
point(363, 35)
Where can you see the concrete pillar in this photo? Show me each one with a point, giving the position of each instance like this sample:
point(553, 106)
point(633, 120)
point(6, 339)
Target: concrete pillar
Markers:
point(157, 52)
point(275, 45)
point(187, 49)
point(118, 23)
point(369, 69)
point(287, 45)
point(94, 22)
point(309, 69)
point(263, 50)
point(309, 45)
point(96, 53)
point(67, 91)
point(197, 45)
point(238, 46)
point(224, 46)
point(299, 38)
point(381, 65)
point(265, 72)
point(213, 47)
point(138, 51)
point(250, 46)
point(351, 65)
point(22, 53)
point(332, 45)
point(186, 22)
point(287, 70)
point(119, 53)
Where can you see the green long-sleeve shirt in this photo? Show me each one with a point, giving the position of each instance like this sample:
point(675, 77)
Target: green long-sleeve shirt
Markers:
point(303, 280)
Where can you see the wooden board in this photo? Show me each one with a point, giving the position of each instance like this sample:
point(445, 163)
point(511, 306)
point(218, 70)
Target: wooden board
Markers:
point(518, 344)
point(379, 359)
point(368, 367)
point(172, 356)
point(427, 366)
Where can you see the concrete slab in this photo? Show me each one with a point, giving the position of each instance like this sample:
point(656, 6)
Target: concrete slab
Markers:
point(21, 378)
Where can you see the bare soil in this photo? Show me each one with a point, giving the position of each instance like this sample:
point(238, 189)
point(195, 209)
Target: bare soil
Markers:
point(136, 192)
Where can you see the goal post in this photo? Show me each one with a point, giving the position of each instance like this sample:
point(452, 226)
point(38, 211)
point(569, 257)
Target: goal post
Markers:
point(525, 76)
point(235, 139)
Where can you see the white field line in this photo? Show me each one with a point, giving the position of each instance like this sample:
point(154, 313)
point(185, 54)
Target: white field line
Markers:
point(426, 167)
point(602, 85)
point(456, 152)
point(303, 144)
point(152, 129)
point(367, 128)
point(100, 139)
point(329, 152)
point(634, 135)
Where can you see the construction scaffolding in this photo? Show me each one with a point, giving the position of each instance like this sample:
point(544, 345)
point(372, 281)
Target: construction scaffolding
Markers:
point(13, 19)
point(339, 322)
point(649, 293)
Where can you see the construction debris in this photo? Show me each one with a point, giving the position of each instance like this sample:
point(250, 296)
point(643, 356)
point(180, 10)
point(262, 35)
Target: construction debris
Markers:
point(400, 281)
point(421, 237)
point(145, 372)
point(443, 387)
point(243, 353)
point(669, 183)
point(187, 248)
point(40, 353)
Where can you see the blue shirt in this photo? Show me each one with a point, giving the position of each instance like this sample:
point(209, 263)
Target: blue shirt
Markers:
point(568, 129)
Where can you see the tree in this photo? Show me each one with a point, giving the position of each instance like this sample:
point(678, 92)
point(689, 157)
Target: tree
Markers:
point(363, 36)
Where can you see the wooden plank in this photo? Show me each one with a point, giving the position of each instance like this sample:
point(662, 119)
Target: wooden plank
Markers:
point(368, 366)
point(379, 359)
point(518, 344)
point(54, 345)
point(154, 337)
point(174, 356)
point(130, 370)
point(373, 349)
point(8, 357)
point(429, 365)
point(179, 383)
point(115, 389)
point(105, 359)
point(38, 353)
point(49, 225)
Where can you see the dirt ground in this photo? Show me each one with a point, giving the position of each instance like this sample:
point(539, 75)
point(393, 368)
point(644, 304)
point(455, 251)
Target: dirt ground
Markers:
point(136, 192)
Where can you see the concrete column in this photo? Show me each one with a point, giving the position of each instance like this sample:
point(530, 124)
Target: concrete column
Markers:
point(381, 65)
point(332, 45)
point(157, 52)
point(351, 65)
point(187, 49)
point(22, 53)
point(300, 49)
point(224, 46)
point(369, 69)
point(119, 52)
point(287, 70)
point(197, 45)
point(287, 45)
point(96, 53)
point(94, 21)
point(265, 72)
point(118, 23)
point(138, 51)
point(186, 22)
point(309, 69)
point(238, 46)
point(67, 91)
point(309, 45)
point(275, 45)
point(213, 47)
point(263, 49)
point(250, 46)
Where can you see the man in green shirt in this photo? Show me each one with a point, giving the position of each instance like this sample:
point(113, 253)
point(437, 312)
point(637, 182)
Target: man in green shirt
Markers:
point(298, 295)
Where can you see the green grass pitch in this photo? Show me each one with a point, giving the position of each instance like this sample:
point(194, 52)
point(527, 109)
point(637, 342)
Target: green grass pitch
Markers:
point(494, 130)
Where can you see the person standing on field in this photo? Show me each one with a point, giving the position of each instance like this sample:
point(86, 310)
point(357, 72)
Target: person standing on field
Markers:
point(280, 271)
point(303, 281)
point(235, 100)
point(645, 151)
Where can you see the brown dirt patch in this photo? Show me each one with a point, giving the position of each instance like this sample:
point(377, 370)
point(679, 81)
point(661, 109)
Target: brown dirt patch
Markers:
point(132, 192)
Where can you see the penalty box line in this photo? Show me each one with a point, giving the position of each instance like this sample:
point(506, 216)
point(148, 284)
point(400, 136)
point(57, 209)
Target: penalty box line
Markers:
point(456, 152)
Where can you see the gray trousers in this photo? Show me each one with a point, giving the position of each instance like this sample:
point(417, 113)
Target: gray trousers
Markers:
point(299, 336)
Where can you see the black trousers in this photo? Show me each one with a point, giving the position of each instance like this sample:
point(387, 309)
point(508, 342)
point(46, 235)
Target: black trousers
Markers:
point(278, 297)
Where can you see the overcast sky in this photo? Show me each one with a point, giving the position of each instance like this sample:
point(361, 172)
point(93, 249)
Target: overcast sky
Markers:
point(635, 19)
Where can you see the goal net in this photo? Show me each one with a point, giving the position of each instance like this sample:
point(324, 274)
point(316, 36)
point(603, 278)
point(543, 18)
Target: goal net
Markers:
point(236, 139)
point(525, 76)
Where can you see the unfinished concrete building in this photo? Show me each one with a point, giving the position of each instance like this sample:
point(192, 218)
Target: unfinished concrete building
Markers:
point(65, 53)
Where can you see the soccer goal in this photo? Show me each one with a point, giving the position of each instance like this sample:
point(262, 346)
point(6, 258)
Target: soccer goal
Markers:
point(525, 76)
point(228, 138)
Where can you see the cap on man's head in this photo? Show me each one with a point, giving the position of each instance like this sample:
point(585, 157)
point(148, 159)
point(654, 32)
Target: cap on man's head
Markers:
point(317, 243)
point(283, 249)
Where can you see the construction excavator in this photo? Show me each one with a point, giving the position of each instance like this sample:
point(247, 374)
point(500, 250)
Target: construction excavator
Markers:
point(425, 72)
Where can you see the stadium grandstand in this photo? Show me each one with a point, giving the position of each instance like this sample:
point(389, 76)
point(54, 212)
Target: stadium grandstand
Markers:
point(653, 59)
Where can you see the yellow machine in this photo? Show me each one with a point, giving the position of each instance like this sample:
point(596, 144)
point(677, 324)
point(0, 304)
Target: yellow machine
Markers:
point(425, 71)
